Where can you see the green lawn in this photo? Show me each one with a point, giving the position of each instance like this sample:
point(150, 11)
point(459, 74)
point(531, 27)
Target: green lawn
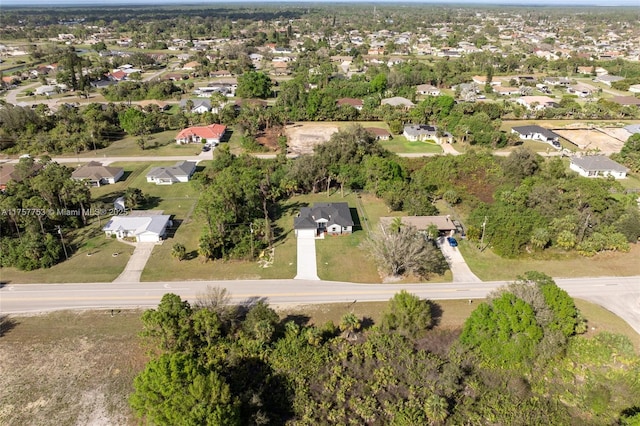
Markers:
point(400, 144)
point(489, 266)
point(92, 261)
point(158, 144)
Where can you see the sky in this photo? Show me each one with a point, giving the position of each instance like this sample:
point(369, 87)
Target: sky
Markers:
point(35, 3)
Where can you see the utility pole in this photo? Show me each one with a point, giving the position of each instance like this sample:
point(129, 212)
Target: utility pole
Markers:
point(62, 240)
point(484, 224)
point(251, 228)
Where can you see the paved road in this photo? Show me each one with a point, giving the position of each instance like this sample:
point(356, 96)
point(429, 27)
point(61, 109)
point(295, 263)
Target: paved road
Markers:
point(203, 155)
point(620, 295)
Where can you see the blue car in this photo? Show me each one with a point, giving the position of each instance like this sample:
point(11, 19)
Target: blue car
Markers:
point(452, 242)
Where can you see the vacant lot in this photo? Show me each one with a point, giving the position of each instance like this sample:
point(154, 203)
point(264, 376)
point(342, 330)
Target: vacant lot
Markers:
point(489, 266)
point(592, 139)
point(77, 368)
point(304, 137)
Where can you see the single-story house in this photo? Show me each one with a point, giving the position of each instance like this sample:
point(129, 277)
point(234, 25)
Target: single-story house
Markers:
point(482, 80)
point(598, 166)
point(580, 90)
point(537, 133)
point(8, 173)
point(506, 91)
point(423, 132)
point(427, 89)
point(323, 218)
point(378, 133)
point(626, 100)
point(607, 79)
point(211, 134)
point(445, 225)
point(143, 228)
point(397, 101)
point(181, 172)
point(95, 174)
point(356, 103)
point(557, 81)
point(537, 102)
point(191, 65)
point(200, 106)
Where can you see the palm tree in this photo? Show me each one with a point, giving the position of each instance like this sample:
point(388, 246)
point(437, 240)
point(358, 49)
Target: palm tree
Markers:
point(179, 251)
point(349, 325)
point(436, 408)
point(396, 225)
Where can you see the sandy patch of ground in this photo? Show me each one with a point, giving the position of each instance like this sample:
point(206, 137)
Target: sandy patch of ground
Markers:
point(303, 137)
point(602, 140)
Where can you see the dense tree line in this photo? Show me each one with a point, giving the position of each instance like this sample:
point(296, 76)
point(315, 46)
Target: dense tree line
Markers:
point(215, 363)
point(34, 214)
point(522, 203)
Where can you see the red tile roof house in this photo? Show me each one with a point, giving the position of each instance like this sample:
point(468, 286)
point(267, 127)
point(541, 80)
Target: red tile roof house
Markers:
point(356, 103)
point(210, 135)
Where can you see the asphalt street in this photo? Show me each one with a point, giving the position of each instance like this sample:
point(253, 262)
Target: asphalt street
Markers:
point(620, 295)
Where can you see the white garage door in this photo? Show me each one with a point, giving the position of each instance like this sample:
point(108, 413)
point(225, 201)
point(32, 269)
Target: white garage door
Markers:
point(148, 238)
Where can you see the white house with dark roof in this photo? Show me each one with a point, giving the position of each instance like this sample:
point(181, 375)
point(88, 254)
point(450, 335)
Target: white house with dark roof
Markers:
point(598, 166)
point(424, 132)
point(323, 218)
point(537, 133)
point(95, 174)
point(181, 172)
point(150, 228)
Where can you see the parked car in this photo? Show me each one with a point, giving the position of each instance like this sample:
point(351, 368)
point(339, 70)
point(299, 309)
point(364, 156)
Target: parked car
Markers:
point(452, 242)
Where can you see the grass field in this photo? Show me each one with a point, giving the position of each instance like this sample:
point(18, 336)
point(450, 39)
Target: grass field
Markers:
point(158, 144)
point(489, 266)
point(70, 368)
point(400, 144)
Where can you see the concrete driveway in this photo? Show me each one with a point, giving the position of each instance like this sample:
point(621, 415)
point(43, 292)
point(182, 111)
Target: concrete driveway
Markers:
point(307, 267)
point(136, 264)
point(459, 268)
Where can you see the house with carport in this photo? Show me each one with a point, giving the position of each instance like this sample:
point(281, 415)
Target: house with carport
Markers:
point(445, 225)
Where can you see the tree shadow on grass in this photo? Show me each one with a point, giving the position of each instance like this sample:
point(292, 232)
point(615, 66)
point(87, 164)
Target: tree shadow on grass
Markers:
point(357, 224)
point(6, 324)
point(299, 319)
point(283, 209)
point(436, 313)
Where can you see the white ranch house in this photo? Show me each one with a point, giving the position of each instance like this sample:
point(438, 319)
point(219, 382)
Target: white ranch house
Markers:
point(598, 166)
